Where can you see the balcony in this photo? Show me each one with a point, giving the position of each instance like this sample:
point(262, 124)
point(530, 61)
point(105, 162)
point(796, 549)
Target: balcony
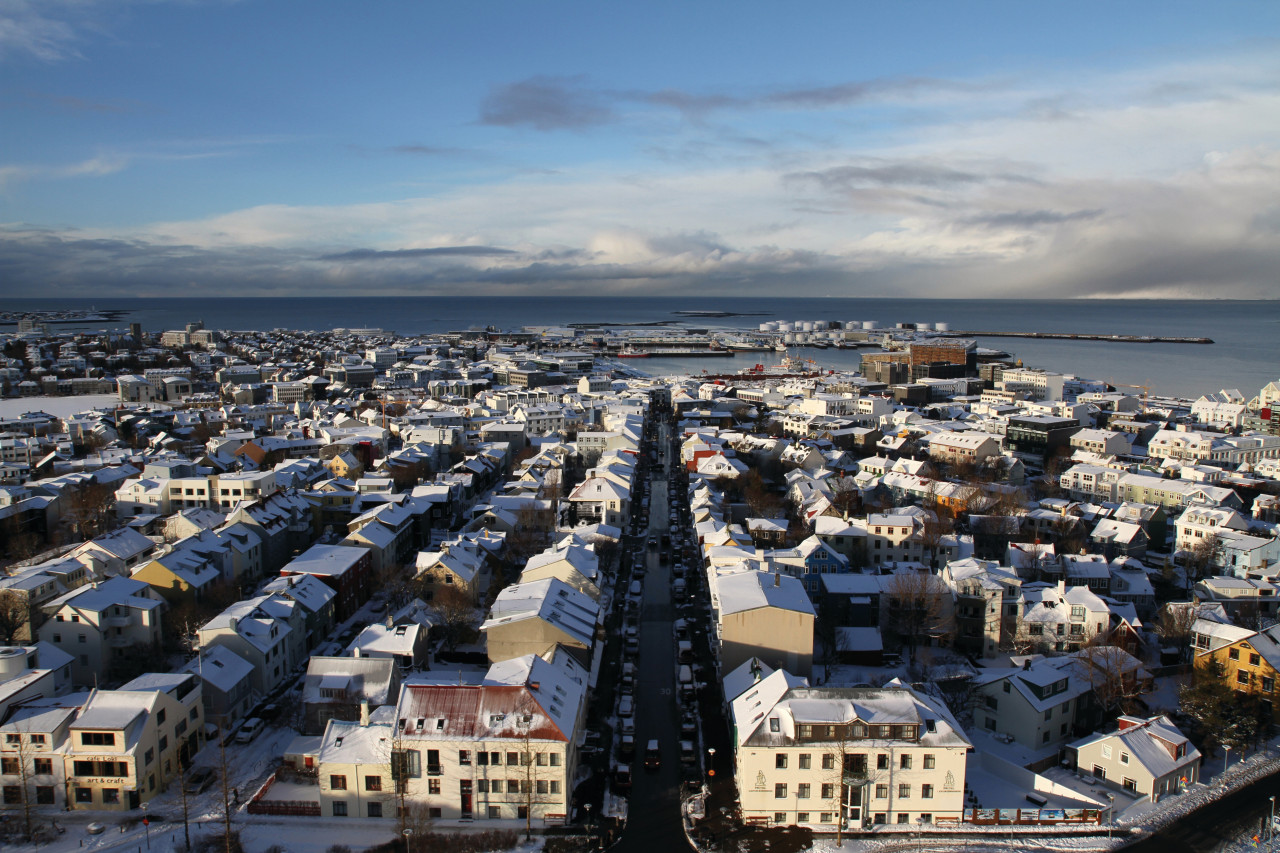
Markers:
point(118, 621)
point(122, 642)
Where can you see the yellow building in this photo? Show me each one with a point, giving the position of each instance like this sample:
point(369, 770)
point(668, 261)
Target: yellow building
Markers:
point(1249, 658)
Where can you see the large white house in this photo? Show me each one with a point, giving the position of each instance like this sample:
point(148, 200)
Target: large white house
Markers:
point(858, 756)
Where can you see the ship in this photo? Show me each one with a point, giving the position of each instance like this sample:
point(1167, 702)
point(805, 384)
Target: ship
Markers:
point(632, 352)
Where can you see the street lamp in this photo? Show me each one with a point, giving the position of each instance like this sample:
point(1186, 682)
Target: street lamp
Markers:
point(711, 761)
point(1226, 761)
point(408, 838)
point(587, 806)
point(920, 834)
point(1111, 814)
point(1271, 823)
point(146, 825)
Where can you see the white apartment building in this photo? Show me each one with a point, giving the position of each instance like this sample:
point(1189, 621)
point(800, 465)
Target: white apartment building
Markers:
point(854, 756)
point(1040, 384)
point(99, 623)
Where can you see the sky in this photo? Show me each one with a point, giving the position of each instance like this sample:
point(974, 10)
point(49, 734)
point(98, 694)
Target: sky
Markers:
point(925, 149)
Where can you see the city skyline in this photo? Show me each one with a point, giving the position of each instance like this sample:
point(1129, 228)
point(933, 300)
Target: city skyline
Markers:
point(282, 148)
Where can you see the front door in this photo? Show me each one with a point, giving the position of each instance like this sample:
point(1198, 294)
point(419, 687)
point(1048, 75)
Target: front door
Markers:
point(466, 798)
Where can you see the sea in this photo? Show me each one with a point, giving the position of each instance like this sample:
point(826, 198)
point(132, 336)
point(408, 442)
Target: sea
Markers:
point(1244, 354)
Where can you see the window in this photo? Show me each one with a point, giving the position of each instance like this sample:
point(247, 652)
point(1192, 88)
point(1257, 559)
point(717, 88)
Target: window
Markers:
point(882, 792)
point(464, 756)
point(42, 766)
point(110, 796)
point(513, 786)
point(495, 812)
point(482, 758)
point(926, 792)
point(1044, 738)
point(149, 757)
point(1254, 660)
point(160, 716)
point(164, 743)
point(482, 785)
point(434, 812)
point(903, 817)
point(1268, 684)
point(780, 761)
point(373, 783)
point(84, 795)
point(555, 786)
point(904, 761)
point(542, 786)
point(780, 791)
point(375, 809)
point(9, 766)
point(775, 725)
point(828, 761)
point(926, 817)
point(338, 783)
point(433, 786)
point(1234, 654)
point(555, 759)
point(1007, 687)
point(339, 809)
point(513, 758)
point(13, 739)
point(882, 761)
point(44, 795)
point(97, 739)
point(802, 817)
point(779, 817)
point(904, 790)
point(828, 790)
point(804, 760)
point(1242, 677)
point(1048, 715)
point(12, 795)
point(802, 791)
point(1124, 758)
point(879, 818)
point(929, 761)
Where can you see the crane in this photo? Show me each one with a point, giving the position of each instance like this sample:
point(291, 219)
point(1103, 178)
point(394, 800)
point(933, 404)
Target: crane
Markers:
point(1146, 389)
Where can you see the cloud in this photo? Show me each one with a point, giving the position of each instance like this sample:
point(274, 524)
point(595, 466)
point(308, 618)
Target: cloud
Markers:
point(107, 164)
point(546, 103)
point(400, 254)
point(27, 30)
point(1029, 218)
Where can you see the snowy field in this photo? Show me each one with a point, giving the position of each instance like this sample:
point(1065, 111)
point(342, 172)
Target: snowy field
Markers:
point(59, 407)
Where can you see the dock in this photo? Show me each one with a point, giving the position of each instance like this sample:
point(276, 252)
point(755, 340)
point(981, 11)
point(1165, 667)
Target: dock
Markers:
point(1074, 336)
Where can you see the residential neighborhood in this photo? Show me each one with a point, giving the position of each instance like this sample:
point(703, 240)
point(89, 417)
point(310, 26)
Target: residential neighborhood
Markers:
point(488, 579)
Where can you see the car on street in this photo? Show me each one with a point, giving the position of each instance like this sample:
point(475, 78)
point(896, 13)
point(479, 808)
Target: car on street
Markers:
point(652, 756)
point(199, 780)
point(249, 730)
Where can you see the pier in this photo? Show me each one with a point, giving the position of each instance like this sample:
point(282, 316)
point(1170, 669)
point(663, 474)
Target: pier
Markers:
point(1073, 336)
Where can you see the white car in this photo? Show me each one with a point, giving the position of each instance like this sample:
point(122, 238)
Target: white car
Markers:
point(249, 730)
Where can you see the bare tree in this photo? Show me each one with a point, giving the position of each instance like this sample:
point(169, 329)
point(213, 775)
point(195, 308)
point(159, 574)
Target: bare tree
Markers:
point(457, 614)
point(935, 528)
point(1112, 674)
point(86, 509)
point(919, 609)
point(1199, 561)
point(1174, 626)
point(18, 761)
point(15, 617)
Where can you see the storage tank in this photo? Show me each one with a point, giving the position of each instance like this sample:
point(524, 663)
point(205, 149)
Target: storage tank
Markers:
point(769, 327)
point(943, 327)
point(13, 662)
point(853, 324)
point(924, 327)
point(785, 326)
point(806, 326)
point(868, 325)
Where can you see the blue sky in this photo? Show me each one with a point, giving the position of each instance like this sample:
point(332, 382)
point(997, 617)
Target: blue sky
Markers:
point(276, 147)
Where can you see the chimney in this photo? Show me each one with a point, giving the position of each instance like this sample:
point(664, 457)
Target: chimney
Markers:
point(1026, 665)
point(364, 712)
point(355, 653)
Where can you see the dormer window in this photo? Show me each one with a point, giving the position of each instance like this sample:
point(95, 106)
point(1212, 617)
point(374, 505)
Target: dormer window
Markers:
point(775, 725)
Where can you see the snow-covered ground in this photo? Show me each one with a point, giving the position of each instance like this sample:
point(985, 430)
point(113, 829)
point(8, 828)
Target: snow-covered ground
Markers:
point(59, 407)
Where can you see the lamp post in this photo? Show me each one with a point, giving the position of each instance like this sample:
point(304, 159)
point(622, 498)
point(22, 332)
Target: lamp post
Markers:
point(920, 834)
point(1271, 821)
point(408, 839)
point(711, 761)
point(1111, 814)
point(1226, 762)
point(146, 825)
point(587, 806)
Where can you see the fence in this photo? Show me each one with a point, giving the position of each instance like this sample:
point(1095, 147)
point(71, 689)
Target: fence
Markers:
point(1005, 817)
point(293, 808)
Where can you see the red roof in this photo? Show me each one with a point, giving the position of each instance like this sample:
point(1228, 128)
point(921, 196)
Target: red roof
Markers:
point(449, 712)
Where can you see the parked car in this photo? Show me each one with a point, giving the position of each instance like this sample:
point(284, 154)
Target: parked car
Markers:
point(199, 780)
point(249, 730)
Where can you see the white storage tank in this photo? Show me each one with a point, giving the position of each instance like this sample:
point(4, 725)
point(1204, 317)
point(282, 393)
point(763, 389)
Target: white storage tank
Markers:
point(806, 326)
point(785, 327)
point(769, 327)
point(853, 324)
point(943, 327)
point(13, 662)
point(868, 325)
point(924, 327)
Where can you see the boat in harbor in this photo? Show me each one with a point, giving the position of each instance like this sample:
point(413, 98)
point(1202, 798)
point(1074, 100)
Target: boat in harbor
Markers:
point(632, 352)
